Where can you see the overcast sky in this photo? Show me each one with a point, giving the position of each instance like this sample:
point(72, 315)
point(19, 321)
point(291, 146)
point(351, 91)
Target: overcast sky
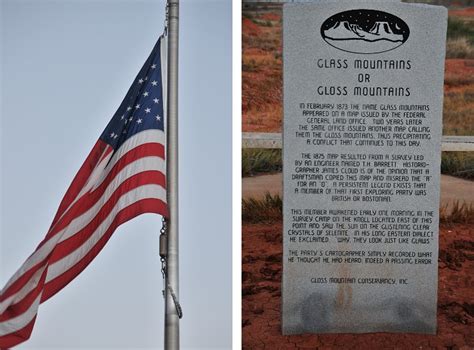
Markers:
point(65, 67)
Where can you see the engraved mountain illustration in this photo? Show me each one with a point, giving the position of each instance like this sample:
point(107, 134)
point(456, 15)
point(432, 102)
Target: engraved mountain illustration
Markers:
point(349, 31)
point(365, 31)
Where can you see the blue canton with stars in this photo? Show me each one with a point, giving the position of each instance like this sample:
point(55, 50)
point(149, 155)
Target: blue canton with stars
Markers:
point(142, 107)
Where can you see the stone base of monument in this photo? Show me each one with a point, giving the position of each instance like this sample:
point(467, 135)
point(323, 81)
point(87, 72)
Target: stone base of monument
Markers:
point(320, 313)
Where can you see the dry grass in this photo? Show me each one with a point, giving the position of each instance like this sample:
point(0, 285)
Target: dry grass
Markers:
point(460, 164)
point(458, 213)
point(262, 81)
point(268, 209)
point(459, 48)
point(460, 27)
point(256, 161)
point(258, 59)
point(266, 119)
point(456, 80)
point(459, 79)
point(458, 115)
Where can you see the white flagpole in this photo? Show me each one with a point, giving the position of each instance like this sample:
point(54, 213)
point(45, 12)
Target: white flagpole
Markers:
point(172, 275)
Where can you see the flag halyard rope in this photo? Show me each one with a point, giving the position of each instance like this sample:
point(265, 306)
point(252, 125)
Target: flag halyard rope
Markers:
point(163, 259)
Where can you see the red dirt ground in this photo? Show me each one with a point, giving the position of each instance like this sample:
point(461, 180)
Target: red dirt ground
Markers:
point(262, 72)
point(455, 66)
point(457, 70)
point(466, 12)
point(271, 17)
point(261, 298)
point(251, 28)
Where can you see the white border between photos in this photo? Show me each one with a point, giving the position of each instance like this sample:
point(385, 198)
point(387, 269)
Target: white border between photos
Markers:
point(236, 174)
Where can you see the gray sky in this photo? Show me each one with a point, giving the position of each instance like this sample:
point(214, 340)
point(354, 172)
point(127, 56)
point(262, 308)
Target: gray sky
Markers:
point(65, 67)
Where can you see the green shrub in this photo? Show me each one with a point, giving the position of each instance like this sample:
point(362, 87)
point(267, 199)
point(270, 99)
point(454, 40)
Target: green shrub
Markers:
point(268, 209)
point(460, 164)
point(260, 161)
point(459, 29)
point(458, 213)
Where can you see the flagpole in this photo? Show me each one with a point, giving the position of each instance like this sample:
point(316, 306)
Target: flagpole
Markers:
point(172, 275)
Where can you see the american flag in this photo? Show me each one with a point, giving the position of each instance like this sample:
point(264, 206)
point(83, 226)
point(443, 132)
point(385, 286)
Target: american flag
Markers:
point(123, 176)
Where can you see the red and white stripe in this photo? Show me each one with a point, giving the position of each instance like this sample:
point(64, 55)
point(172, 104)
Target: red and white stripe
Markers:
point(109, 189)
point(119, 187)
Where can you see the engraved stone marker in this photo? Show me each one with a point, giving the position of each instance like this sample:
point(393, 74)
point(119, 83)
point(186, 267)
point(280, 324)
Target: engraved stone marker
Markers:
point(363, 91)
